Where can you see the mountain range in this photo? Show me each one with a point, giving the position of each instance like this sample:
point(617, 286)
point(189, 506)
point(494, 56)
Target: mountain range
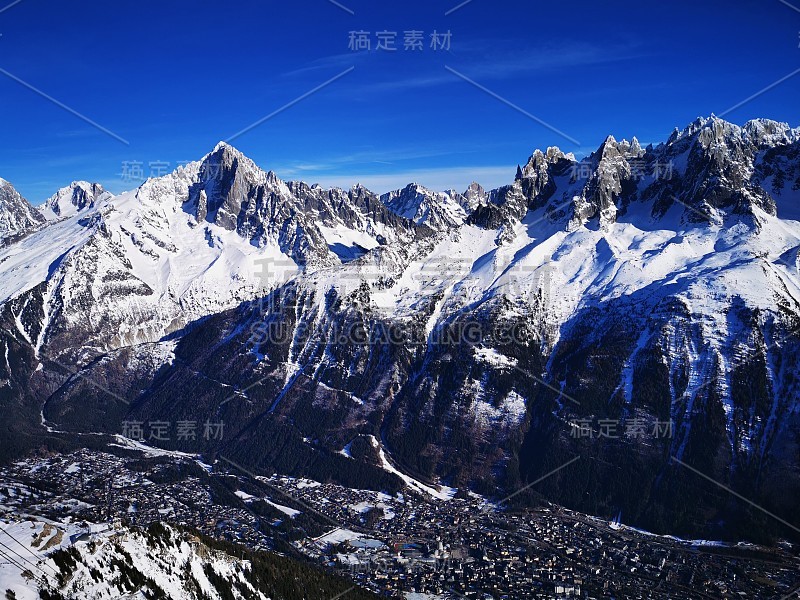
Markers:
point(637, 309)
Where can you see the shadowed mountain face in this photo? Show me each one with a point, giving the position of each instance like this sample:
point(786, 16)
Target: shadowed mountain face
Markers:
point(637, 309)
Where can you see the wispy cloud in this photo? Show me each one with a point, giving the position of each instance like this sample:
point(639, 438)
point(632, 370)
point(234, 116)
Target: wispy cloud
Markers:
point(497, 60)
point(489, 60)
point(329, 63)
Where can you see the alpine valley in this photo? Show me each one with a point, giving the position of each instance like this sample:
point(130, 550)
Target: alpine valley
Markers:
point(451, 345)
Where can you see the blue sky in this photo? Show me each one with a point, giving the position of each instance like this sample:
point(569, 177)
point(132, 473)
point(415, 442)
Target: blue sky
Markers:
point(174, 78)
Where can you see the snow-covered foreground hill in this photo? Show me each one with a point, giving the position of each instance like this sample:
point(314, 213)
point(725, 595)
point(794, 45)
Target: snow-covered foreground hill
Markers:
point(54, 560)
point(479, 339)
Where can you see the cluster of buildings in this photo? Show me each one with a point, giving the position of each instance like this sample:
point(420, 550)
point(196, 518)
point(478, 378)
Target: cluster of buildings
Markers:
point(97, 486)
point(408, 545)
point(467, 548)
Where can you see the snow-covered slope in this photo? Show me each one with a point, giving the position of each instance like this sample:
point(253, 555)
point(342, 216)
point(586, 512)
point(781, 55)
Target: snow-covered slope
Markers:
point(46, 559)
point(132, 270)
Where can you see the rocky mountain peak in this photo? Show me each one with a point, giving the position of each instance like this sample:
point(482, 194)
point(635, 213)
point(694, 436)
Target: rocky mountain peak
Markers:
point(768, 132)
point(226, 158)
point(474, 188)
point(613, 149)
point(688, 131)
point(437, 210)
point(226, 178)
point(16, 213)
point(473, 196)
point(540, 161)
point(713, 129)
point(74, 198)
point(226, 147)
point(710, 164)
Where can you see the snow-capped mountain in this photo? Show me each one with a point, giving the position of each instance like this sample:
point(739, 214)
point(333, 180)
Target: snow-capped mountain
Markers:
point(16, 213)
point(77, 197)
point(473, 197)
point(133, 268)
point(467, 337)
point(438, 210)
